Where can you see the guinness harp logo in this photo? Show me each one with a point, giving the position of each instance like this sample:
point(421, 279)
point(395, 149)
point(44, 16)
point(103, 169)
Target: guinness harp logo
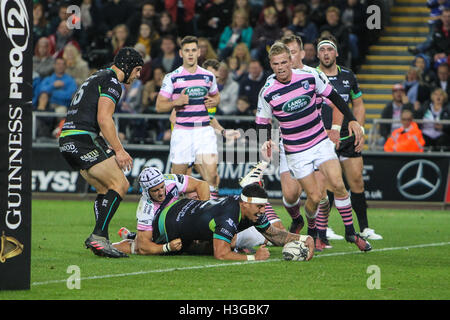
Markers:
point(9, 247)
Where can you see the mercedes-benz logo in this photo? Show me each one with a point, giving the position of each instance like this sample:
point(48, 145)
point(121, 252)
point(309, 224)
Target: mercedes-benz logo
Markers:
point(425, 185)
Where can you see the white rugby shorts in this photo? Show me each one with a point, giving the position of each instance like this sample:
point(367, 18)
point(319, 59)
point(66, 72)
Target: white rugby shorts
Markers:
point(186, 145)
point(302, 164)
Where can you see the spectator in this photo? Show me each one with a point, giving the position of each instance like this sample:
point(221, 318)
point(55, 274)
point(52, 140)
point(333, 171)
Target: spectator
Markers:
point(442, 80)
point(238, 31)
point(116, 12)
point(407, 138)
point(417, 91)
point(146, 72)
point(206, 50)
point(317, 10)
point(422, 62)
point(61, 16)
point(229, 90)
point(437, 136)
point(148, 37)
point(310, 58)
point(252, 10)
point(165, 25)
point(393, 110)
point(215, 17)
point(282, 9)
point(60, 39)
point(169, 59)
point(41, 27)
point(92, 21)
point(242, 54)
point(353, 17)
point(147, 14)
point(243, 106)
point(151, 90)
point(265, 34)
point(252, 82)
point(54, 94)
point(440, 42)
point(339, 31)
point(43, 62)
point(120, 38)
point(301, 26)
point(183, 13)
point(134, 130)
point(76, 67)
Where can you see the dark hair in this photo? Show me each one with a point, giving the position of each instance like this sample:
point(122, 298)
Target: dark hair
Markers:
point(189, 39)
point(213, 63)
point(329, 38)
point(254, 190)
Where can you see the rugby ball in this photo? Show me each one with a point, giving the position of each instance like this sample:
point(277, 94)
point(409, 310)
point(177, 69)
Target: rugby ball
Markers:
point(295, 251)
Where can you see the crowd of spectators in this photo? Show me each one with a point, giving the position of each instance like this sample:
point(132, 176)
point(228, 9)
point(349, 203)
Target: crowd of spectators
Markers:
point(426, 88)
point(236, 32)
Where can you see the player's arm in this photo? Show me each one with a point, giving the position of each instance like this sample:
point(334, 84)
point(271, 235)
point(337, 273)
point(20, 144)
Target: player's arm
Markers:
point(280, 237)
point(106, 108)
point(222, 251)
point(212, 100)
point(145, 245)
point(164, 104)
point(199, 186)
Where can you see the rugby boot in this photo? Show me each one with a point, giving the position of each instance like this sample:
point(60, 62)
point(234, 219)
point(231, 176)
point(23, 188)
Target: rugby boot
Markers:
point(102, 247)
point(362, 244)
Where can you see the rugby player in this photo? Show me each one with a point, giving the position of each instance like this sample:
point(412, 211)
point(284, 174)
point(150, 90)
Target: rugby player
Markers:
point(218, 221)
point(350, 157)
point(290, 97)
point(158, 191)
point(185, 90)
point(89, 115)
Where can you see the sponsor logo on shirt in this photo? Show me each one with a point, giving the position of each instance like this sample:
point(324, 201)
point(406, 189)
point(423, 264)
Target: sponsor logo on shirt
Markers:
point(196, 92)
point(297, 104)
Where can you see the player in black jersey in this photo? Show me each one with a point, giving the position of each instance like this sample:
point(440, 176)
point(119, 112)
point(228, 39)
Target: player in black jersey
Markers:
point(89, 115)
point(220, 220)
point(345, 83)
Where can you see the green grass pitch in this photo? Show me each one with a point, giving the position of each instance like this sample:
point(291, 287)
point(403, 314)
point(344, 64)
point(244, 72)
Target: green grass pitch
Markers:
point(411, 262)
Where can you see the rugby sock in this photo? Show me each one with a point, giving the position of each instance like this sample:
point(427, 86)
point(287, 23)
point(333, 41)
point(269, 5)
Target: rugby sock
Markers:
point(270, 213)
point(293, 209)
point(311, 218)
point(213, 192)
point(106, 209)
point(359, 204)
point(97, 203)
point(344, 207)
point(322, 218)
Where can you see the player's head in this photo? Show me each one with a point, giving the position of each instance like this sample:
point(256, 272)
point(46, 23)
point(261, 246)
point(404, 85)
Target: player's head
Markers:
point(253, 201)
point(327, 51)
point(152, 184)
point(189, 51)
point(213, 66)
point(295, 45)
point(281, 61)
point(130, 62)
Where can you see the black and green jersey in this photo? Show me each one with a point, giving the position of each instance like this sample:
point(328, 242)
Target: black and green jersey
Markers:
point(203, 220)
point(346, 85)
point(82, 112)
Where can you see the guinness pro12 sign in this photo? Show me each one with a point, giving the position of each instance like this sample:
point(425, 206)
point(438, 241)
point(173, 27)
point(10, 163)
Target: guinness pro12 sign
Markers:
point(15, 143)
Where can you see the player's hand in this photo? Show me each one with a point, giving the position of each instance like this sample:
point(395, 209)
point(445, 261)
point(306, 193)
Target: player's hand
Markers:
point(231, 134)
point(354, 128)
point(210, 102)
point(124, 160)
point(267, 149)
point(182, 100)
point(262, 253)
point(309, 242)
point(334, 136)
point(175, 244)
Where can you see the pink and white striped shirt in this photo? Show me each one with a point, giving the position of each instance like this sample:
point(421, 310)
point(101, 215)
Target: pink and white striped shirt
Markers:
point(198, 85)
point(294, 105)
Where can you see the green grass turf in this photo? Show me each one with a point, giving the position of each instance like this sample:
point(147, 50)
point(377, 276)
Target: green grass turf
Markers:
point(60, 228)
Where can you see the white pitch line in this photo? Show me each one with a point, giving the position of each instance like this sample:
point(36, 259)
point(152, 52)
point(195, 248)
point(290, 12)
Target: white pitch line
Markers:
point(208, 266)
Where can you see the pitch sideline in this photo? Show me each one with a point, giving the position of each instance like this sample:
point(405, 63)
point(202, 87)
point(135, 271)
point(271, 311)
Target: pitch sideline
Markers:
point(236, 263)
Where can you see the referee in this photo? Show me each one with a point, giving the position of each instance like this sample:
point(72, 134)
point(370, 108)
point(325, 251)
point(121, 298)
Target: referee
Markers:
point(87, 131)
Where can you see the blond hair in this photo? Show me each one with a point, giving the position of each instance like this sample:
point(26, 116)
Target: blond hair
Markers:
point(278, 48)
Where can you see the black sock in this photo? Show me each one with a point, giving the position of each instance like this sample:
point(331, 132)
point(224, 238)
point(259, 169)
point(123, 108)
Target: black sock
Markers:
point(97, 204)
point(106, 210)
point(330, 198)
point(359, 204)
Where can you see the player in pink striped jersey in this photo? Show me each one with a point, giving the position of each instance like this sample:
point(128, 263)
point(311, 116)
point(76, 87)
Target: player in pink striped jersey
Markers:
point(290, 97)
point(186, 90)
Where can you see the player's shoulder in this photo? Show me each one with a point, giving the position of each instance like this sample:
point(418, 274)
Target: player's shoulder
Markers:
point(269, 82)
point(344, 71)
point(174, 178)
point(201, 70)
point(177, 72)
